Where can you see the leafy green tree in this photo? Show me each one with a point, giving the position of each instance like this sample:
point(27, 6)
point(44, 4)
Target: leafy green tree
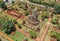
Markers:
point(57, 8)
point(55, 20)
point(3, 5)
point(14, 21)
point(26, 13)
point(10, 27)
point(45, 15)
point(58, 26)
point(56, 35)
point(19, 26)
point(33, 34)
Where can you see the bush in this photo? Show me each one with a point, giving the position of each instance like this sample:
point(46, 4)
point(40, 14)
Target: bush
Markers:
point(56, 35)
point(54, 21)
point(57, 8)
point(19, 26)
point(26, 13)
point(3, 5)
point(45, 15)
point(33, 34)
point(14, 21)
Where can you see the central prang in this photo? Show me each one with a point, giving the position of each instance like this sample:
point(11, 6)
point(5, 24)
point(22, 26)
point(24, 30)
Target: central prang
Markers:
point(33, 18)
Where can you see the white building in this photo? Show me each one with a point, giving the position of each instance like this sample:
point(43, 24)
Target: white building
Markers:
point(9, 1)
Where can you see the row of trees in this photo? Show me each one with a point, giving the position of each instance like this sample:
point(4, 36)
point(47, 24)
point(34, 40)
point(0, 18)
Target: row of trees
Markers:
point(56, 6)
point(43, 3)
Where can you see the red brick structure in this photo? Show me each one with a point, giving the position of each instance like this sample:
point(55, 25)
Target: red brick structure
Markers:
point(53, 39)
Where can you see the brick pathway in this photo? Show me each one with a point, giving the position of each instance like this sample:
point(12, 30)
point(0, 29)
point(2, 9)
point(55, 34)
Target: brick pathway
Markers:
point(7, 37)
point(46, 30)
point(42, 38)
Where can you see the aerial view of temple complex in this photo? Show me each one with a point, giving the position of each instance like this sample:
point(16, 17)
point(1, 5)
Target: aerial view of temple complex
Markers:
point(29, 20)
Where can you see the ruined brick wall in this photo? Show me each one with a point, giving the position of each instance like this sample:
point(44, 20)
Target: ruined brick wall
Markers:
point(57, 1)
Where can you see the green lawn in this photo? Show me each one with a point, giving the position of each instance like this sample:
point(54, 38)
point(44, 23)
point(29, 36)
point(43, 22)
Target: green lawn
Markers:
point(18, 36)
point(3, 14)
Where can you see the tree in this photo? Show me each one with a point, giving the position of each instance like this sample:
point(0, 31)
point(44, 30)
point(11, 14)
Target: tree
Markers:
point(57, 8)
point(3, 5)
point(19, 26)
point(14, 21)
point(33, 34)
point(56, 35)
point(58, 26)
point(26, 39)
point(26, 13)
point(45, 15)
point(55, 21)
point(10, 27)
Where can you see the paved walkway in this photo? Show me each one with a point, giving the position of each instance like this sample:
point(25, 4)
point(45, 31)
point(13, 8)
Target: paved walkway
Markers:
point(7, 37)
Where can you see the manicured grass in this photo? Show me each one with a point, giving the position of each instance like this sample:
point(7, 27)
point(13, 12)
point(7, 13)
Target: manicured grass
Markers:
point(18, 36)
